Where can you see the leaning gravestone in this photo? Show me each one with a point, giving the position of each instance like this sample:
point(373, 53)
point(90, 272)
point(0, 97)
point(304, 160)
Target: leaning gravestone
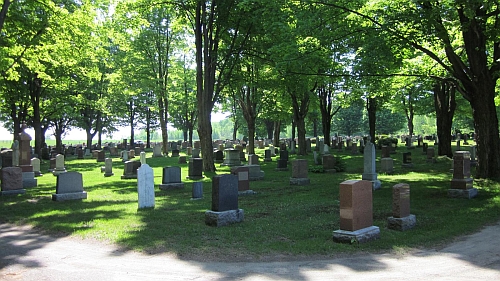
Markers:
point(224, 202)
point(12, 181)
point(356, 213)
point(146, 187)
point(171, 178)
point(461, 184)
point(69, 186)
point(369, 173)
point(401, 218)
point(299, 172)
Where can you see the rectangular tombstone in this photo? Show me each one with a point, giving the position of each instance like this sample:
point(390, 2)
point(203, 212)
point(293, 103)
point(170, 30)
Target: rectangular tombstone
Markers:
point(242, 172)
point(299, 168)
point(224, 193)
point(406, 157)
point(386, 151)
point(69, 186)
point(461, 165)
point(253, 159)
point(401, 200)
point(195, 168)
point(146, 187)
point(328, 162)
point(12, 181)
point(284, 155)
point(356, 207)
point(101, 156)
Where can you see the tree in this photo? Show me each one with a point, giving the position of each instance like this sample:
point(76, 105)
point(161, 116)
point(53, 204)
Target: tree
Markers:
point(445, 104)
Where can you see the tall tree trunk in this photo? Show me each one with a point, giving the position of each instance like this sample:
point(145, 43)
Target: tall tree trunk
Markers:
point(445, 104)
point(235, 128)
point(35, 93)
point(371, 107)
point(277, 130)
point(300, 107)
point(148, 128)
point(3, 12)
point(251, 135)
point(269, 128)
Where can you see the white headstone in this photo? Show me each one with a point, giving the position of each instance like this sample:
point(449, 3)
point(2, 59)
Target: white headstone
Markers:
point(143, 157)
point(369, 173)
point(146, 187)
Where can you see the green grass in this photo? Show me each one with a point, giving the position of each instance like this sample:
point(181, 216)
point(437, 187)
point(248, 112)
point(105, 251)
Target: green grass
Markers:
point(280, 220)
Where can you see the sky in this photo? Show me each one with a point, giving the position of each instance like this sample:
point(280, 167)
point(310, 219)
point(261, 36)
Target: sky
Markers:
point(75, 134)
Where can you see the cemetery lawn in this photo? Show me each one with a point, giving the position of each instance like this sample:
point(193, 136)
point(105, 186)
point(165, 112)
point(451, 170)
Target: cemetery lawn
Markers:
point(282, 222)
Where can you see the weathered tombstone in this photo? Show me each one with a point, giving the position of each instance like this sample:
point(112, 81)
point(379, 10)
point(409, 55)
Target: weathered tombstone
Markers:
point(182, 160)
point(299, 172)
point(401, 218)
point(253, 159)
point(284, 155)
point(356, 213)
point(281, 165)
point(175, 153)
point(131, 154)
point(369, 172)
point(79, 153)
point(461, 184)
point(243, 175)
point(195, 153)
point(15, 153)
point(171, 178)
point(95, 154)
point(6, 155)
point(113, 151)
point(386, 151)
point(218, 156)
point(224, 202)
point(124, 156)
point(130, 170)
point(195, 169)
point(52, 164)
point(197, 192)
point(146, 187)
point(137, 150)
point(157, 150)
point(69, 186)
point(87, 152)
point(142, 157)
point(35, 162)
point(326, 149)
point(329, 163)
point(124, 144)
point(12, 181)
point(407, 160)
point(108, 167)
point(59, 169)
point(430, 155)
point(254, 172)
point(273, 151)
point(319, 146)
point(354, 148)
point(267, 155)
point(101, 156)
point(231, 157)
point(189, 151)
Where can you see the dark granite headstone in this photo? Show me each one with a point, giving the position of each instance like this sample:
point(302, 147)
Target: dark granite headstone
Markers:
point(224, 193)
point(195, 168)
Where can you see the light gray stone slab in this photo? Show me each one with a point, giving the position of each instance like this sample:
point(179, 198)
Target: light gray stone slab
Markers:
point(145, 187)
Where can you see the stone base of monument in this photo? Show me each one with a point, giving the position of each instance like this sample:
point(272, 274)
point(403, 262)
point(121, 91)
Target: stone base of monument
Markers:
point(300, 181)
point(224, 218)
point(128, 177)
point(462, 183)
point(29, 180)
point(359, 236)
point(246, 192)
point(281, 169)
point(171, 186)
point(109, 174)
point(69, 196)
point(402, 224)
point(56, 171)
point(462, 193)
point(12, 192)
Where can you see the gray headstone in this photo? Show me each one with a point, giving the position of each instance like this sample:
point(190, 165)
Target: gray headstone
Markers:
point(224, 193)
point(197, 190)
point(145, 187)
point(69, 186)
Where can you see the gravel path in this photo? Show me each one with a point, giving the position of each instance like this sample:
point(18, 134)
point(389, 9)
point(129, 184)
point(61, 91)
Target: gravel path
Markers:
point(27, 255)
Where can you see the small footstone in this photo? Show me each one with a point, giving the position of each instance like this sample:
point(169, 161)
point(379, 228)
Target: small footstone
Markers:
point(360, 236)
point(223, 218)
point(401, 224)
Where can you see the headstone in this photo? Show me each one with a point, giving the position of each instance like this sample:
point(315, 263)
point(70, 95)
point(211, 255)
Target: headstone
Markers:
point(175, 153)
point(157, 150)
point(189, 151)
point(299, 172)
point(243, 178)
point(231, 157)
point(253, 159)
point(308, 145)
point(224, 202)
point(354, 148)
point(59, 169)
point(401, 218)
point(137, 151)
point(369, 173)
point(15, 153)
point(35, 162)
point(143, 157)
point(317, 160)
point(101, 155)
point(195, 169)
point(113, 151)
point(12, 181)
point(130, 170)
point(124, 156)
point(218, 156)
point(267, 155)
point(69, 186)
point(108, 167)
point(254, 172)
point(386, 151)
point(473, 161)
point(461, 184)
point(195, 153)
point(79, 153)
point(171, 178)
point(284, 155)
point(146, 187)
point(182, 160)
point(281, 165)
point(425, 146)
point(131, 154)
point(6, 158)
point(356, 213)
point(407, 160)
point(326, 149)
point(197, 192)
point(430, 155)
point(329, 164)
point(87, 152)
